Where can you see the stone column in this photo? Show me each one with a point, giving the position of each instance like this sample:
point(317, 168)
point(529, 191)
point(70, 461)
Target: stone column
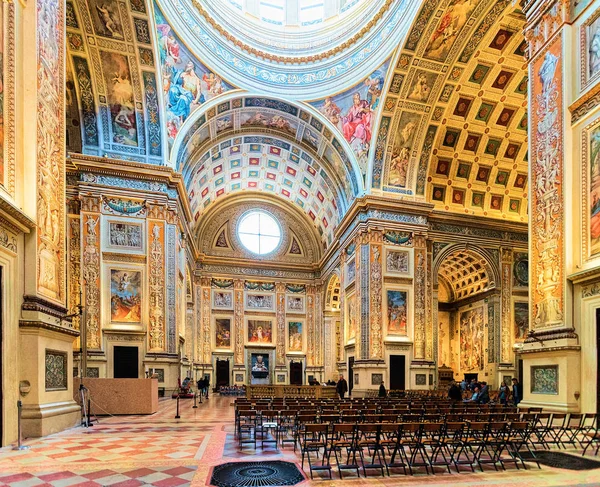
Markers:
point(198, 320)
point(280, 367)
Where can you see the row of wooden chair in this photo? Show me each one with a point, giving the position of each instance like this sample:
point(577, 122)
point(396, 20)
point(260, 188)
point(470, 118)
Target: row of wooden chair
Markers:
point(388, 446)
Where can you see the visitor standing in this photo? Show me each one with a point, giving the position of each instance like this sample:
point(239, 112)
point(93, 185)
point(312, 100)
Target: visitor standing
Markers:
point(454, 392)
point(341, 387)
point(382, 391)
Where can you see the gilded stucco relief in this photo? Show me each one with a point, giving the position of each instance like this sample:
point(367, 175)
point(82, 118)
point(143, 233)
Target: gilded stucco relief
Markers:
point(547, 170)
point(51, 279)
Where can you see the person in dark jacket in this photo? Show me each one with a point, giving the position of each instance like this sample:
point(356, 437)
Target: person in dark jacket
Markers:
point(341, 387)
point(382, 391)
point(454, 392)
point(484, 395)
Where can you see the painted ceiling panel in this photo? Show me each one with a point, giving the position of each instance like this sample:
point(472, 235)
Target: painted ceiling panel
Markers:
point(114, 84)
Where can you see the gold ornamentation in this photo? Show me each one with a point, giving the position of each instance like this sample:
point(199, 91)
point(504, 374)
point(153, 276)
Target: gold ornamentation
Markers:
point(91, 277)
point(238, 318)
point(506, 342)
point(74, 269)
point(280, 299)
point(156, 237)
point(376, 293)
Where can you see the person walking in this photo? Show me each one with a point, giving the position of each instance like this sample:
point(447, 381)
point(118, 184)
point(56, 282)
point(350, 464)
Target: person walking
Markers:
point(341, 387)
point(503, 394)
point(516, 391)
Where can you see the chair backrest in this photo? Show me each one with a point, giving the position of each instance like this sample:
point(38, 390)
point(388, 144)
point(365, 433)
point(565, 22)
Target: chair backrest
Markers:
point(315, 428)
point(519, 426)
point(368, 427)
point(343, 428)
point(590, 420)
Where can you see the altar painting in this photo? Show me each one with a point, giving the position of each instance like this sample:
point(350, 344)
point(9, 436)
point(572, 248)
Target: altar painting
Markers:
point(295, 336)
point(222, 333)
point(397, 312)
point(260, 331)
point(125, 296)
point(594, 190)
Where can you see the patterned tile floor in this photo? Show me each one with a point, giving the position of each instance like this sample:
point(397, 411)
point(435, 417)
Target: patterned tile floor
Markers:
point(129, 451)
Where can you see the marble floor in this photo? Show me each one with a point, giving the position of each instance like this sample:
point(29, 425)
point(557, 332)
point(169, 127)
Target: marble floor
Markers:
point(129, 451)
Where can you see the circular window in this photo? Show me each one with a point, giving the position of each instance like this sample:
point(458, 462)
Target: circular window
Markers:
point(259, 232)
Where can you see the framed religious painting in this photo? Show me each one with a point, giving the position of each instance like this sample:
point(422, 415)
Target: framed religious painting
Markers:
point(259, 331)
point(520, 320)
point(295, 336)
point(396, 311)
point(222, 332)
point(351, 317)
point(125, 300)
point(260, 301)
point(295, 304)
point(589, 47)
point(222, 299)
point(590, 176)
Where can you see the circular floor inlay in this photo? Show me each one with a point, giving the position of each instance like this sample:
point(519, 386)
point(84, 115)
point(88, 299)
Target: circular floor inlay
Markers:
point(258, 474)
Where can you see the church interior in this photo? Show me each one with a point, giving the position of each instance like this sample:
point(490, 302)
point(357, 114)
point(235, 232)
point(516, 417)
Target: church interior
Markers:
point(268, 195)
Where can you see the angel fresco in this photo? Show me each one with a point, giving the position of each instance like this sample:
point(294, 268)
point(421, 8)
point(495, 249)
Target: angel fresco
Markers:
point(187, 84)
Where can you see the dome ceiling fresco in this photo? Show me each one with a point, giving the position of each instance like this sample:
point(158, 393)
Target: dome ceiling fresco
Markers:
point(299, 74)
point(425, 100)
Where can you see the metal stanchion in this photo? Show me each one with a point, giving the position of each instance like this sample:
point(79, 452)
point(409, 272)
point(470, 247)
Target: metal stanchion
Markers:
point(177, 414)
point(195, 406)
point(20, 438)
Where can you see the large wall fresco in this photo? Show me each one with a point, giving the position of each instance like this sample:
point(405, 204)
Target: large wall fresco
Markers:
point(112, 61)
point(50, 151)
point(186, 82)
point(471, 340)
point(354, 112)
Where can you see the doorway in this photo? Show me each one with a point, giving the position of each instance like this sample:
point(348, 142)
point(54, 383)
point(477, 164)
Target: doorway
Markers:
point(222, 373)
point(350, 375)
point(126, 365)
point(295, 373)
point(397, 372)
point(470, 377)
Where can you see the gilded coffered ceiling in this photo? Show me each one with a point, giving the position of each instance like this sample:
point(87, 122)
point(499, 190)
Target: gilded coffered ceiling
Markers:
point(464, 274)
point(454, 124)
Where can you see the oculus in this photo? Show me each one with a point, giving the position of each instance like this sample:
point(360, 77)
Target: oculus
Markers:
point(259, 232)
